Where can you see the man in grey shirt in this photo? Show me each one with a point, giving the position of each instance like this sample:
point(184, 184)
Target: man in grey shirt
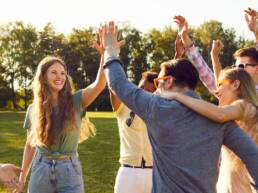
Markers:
point(186, 146)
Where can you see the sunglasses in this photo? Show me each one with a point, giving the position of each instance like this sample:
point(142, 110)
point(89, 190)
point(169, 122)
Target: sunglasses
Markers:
point(158, 80)
point(223, 82)
point(129, 121)
point(243, 65)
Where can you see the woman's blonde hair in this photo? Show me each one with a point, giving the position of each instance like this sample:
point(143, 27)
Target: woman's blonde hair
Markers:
point(87, 129)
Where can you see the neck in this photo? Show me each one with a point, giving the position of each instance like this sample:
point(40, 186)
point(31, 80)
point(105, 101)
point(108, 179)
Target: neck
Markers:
point(180, 89)
point(54, 96)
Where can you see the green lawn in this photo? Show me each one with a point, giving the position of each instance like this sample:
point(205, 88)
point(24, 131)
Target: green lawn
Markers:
point(99, 155)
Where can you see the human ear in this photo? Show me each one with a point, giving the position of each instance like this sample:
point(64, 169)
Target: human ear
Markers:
point(170, 82)
point(236, 84)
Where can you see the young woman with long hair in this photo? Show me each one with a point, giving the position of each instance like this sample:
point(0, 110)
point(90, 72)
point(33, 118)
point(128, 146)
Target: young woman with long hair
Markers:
point(53, 122)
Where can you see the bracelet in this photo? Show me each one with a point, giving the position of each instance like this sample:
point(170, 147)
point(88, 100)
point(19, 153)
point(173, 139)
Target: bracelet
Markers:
point(111, 61)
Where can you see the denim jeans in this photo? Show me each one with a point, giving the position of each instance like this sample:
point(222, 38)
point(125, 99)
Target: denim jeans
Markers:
point(56, 176)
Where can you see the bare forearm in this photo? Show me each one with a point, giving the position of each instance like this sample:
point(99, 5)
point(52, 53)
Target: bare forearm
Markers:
point(216, 65)
point(100, 81)
point(28, 155)
point(93, 90)
point(186, 40)
point(209, 110)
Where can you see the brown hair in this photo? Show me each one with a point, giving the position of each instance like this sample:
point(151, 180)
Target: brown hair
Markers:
point(183, 71)
point(247, 52)
point(43, 108)
point(149, 76)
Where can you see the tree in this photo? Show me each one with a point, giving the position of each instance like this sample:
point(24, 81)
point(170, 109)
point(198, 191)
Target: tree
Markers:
point(160, 46)
point(134, 54)
point(18, 45)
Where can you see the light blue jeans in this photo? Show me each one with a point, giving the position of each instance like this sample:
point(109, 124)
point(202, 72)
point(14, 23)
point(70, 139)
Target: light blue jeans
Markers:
point(56, 176)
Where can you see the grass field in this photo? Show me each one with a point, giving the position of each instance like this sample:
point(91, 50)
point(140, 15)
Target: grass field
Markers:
point(99, 155)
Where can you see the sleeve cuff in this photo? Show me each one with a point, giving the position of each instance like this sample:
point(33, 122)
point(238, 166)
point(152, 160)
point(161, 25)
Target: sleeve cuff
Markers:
point(111, 61)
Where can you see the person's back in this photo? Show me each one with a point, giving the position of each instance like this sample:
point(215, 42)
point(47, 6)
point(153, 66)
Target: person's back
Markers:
point(186, 148)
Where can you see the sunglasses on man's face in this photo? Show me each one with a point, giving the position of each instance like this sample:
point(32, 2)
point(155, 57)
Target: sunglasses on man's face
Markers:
point(160, 79)
point(244, 65)
point(129, 121)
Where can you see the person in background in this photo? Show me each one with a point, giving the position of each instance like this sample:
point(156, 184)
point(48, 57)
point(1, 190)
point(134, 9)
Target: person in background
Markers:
point(135, 173)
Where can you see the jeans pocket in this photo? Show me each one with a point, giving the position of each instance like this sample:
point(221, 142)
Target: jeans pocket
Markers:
point(76, 165)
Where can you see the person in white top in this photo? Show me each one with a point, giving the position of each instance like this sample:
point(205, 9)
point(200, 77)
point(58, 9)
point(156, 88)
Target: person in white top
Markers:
point(135, 173)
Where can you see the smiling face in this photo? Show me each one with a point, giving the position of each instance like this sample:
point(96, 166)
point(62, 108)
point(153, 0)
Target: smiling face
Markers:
point(56, 77)
point(227, 90)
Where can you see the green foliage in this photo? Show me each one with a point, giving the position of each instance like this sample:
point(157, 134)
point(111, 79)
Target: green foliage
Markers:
point(161, 46)
point(22, 47)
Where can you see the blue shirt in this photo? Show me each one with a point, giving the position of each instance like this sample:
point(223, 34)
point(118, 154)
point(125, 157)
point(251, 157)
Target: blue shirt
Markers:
point(186, 146)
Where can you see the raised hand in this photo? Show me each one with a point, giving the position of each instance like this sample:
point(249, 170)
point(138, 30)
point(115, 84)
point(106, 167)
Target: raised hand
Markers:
point(183, 30)
point(109, 40)
point(182, 25)
point(251, 17)
point(8, 175)
point(109, 36)
point(217, 46)
point(98, 43)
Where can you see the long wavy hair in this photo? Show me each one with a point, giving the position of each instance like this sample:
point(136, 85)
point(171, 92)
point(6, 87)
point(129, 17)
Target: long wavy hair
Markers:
point(44, 133)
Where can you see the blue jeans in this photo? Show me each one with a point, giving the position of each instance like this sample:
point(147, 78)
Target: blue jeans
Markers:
point(56, 176)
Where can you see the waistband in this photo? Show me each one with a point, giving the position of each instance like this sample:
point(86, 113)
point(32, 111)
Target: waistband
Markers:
point(143, 166)
point(57, 157)
point(72, 159)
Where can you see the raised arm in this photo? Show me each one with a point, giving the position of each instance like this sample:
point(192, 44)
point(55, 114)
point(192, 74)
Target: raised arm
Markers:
point(217, 45)
point(205, 73)
point(132, 96)
point(90, 93)
point(206, 109)
point(179, 48)
point(251, 17)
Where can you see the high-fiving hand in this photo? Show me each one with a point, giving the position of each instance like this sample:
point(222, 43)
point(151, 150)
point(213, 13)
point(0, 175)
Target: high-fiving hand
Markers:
point(109, 40)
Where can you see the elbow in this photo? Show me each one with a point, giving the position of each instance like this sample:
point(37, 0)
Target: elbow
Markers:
point(221, 117)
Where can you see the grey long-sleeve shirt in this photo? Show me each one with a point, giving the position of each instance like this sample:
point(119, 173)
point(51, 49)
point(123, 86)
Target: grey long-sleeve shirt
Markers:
point(186, 146)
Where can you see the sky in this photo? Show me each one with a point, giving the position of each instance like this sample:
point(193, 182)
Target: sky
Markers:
point(141, 14)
